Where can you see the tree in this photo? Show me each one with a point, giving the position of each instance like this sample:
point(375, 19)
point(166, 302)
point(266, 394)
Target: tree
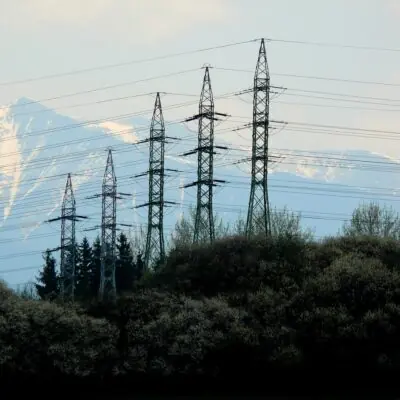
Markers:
point(95, 274)
point(138, 272)
point(84, 270)
point(137, 240)
point(27, 291)
point(371, 219)
point(184, 230)
point(124, 264)
point(284, 223)
point(48, 287)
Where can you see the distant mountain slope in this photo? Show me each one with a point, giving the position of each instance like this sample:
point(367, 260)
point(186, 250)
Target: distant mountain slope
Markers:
point(38, 147)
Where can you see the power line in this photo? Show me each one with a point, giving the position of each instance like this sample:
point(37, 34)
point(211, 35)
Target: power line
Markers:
point(188, 52)
point(337, 106)
point(88, 123)
point(109, 119)
point(370, 165)
point(97, 89)
point(314, 77)
point(327, 130)
point(337, 45)
point(344, 192)
point(312, 215)
point(124, 64)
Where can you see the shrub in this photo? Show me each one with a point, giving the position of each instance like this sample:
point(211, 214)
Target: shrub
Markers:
point(40, 337)
point(335, 311)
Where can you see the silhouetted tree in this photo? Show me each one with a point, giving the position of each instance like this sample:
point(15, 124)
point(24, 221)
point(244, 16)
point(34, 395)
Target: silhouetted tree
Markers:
point(137, 239)
point(124, 264)
point(284, 223)
point(95, 273)
point(48, 287)
point(371, 219)
point(83, 272)
point(184, 230)
point(139, 268)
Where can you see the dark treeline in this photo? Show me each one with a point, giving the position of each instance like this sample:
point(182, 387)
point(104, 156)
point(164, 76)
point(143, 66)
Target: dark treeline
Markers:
point(129, 269)
point(283, 314)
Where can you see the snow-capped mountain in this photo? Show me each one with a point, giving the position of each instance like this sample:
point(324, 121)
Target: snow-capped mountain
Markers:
point(38, 147)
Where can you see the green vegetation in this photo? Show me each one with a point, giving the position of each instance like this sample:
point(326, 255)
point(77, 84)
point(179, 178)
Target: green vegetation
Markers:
point(236, 308)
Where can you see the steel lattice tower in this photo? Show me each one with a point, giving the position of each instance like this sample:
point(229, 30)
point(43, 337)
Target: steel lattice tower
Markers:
point(155, 251)
point(258, 217)
point(108, 232)
point(204, 222)
point(67, 264)
point(68, 243)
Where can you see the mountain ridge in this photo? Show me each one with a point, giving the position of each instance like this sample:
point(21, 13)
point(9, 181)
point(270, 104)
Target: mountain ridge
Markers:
point(39, 147)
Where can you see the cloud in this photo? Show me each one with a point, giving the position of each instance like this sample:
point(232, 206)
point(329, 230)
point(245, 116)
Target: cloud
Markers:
point(122, 132)
point(143, 19)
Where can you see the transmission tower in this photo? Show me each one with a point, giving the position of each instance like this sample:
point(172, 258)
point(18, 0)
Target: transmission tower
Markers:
point(109, 195)
point(155, 250)
point(258, 217)
point(204, 222)
point(68, 243)
point(108, 291)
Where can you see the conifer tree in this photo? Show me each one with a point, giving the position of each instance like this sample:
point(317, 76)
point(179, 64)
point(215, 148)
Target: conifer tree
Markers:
point(124, 264)
point(138, 268)
point(96, 268)
point(84, 273)
point(48, 286)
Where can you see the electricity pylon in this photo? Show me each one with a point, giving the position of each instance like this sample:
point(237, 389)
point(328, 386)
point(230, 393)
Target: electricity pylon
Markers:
point(155, 249)
point(108, 290)
point(109, 195)
point(258, 217)
point(68, 243)
point(204, 222)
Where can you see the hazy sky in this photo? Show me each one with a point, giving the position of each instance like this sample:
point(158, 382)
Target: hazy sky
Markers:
point(44, 37)
point(54, 37)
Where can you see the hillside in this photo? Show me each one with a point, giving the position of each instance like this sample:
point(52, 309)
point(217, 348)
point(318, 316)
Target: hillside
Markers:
point(39, 147)
point(250, 314)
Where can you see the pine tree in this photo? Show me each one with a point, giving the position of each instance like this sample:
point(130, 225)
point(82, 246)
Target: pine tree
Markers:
point(84, 273)
point(95, 273)
point(124, 264)
point(138, 268)
point(48, 287)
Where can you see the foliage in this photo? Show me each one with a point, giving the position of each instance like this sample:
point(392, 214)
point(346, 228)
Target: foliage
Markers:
point(372, 219)
point(48, 287)
point(235, 308)
point(184, 230)
point(27, 291)
point(40, 338)
point(236, 264)
point(96, 269)
point(284, 223)
point(137, 240)
point(125, 266)
point(84, 269)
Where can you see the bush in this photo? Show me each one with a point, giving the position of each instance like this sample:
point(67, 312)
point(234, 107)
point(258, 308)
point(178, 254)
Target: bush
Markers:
point(39, 338)
point(236, 265)
point(237, 308)
point(186, 338)
point(335, 311)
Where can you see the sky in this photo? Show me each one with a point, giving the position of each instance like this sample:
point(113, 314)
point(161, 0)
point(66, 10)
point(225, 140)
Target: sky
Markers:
point(41, 38)
point(45, 45)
